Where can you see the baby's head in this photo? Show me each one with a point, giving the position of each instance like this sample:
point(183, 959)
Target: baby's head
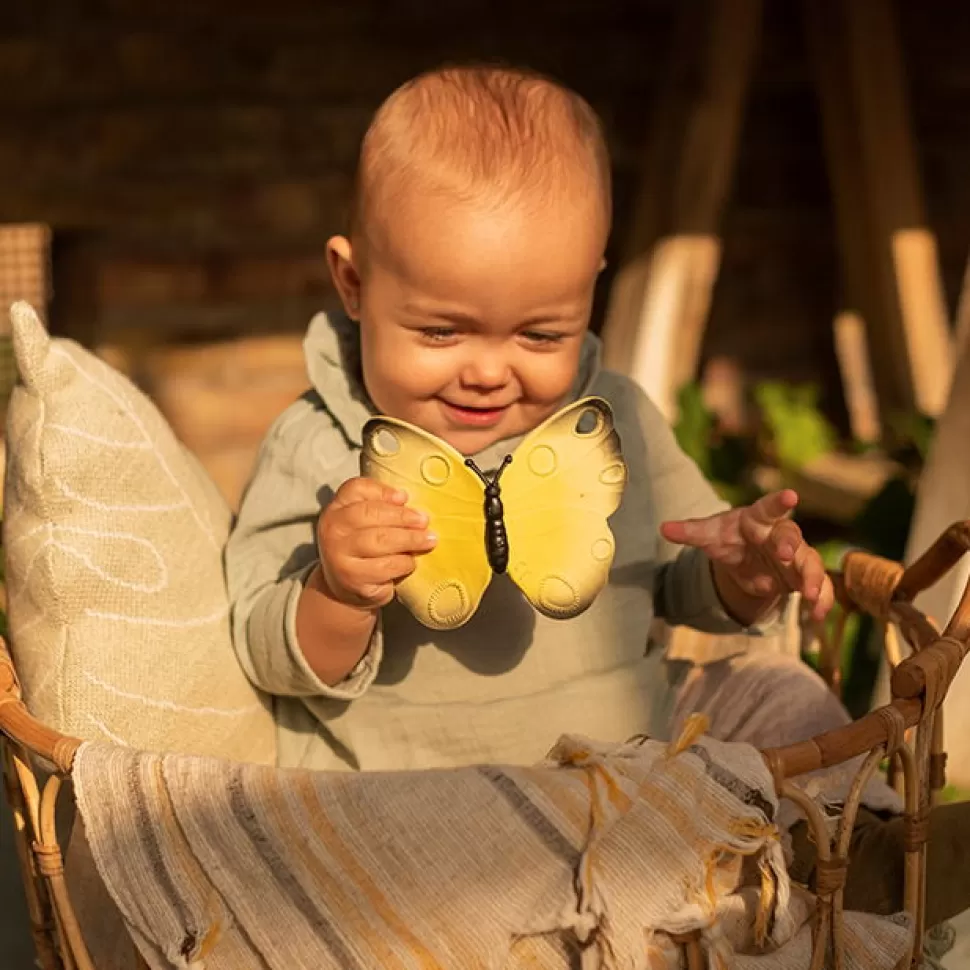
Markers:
point(479, 224)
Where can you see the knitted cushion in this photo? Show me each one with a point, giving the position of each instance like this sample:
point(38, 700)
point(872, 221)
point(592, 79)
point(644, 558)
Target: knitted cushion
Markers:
point(113, 535)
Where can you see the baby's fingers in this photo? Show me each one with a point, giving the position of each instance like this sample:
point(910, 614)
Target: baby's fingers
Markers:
point(376, 514)
point(825, 601)
point(374, 573)
point(373, 580)
point(702, 533)
point(776, 548)
point(768, 509)
point(784, 542)
point(367, 490)
point(812, 581)
point(806, 574)
point(386, 541)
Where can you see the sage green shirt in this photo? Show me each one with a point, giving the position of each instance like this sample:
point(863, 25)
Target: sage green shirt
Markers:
point(503, 687)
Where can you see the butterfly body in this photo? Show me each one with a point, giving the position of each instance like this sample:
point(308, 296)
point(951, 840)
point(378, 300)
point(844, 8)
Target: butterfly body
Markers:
point(496, 535)
point(545, 525)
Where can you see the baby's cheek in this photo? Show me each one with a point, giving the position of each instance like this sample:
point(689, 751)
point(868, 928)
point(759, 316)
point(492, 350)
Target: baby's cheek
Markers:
point(548, 380)
point(428, 372)
point(393, 366)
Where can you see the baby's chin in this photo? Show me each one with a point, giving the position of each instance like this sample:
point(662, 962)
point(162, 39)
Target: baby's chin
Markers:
point(470, 440)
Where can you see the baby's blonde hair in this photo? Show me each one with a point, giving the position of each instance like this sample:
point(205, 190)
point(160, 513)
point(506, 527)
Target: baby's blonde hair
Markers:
point(481, 134)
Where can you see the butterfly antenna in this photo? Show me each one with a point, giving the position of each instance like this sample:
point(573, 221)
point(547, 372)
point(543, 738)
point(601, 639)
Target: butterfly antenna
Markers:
point(506, 461)
point(471, 464)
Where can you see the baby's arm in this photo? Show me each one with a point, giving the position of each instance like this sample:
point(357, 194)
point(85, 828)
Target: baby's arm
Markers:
point(272, 563)
point(332, 636)
point(367, 539)
point(685, 591)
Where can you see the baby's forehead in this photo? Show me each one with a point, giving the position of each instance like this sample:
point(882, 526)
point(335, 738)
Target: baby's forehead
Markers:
point(403, 203)
point(541, 252)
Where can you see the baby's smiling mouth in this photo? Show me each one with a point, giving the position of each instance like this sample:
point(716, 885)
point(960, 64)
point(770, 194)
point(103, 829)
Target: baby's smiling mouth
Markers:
point(474, 415)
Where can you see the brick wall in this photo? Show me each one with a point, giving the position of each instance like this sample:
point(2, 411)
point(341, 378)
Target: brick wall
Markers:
point(193, 158)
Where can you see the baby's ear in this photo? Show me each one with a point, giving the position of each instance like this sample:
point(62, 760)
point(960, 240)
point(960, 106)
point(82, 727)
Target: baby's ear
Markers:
point(345, 277)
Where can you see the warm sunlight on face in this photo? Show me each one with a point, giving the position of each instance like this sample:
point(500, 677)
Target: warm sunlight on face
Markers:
point(472, 318)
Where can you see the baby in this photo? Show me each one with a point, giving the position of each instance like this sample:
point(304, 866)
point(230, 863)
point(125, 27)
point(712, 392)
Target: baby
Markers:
point(478, 230)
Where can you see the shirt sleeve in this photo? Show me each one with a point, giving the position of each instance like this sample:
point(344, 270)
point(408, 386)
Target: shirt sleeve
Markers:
point(684, 590)
point(272, 550)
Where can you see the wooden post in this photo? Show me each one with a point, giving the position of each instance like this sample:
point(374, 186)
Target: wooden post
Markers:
point(660, 300)
point(852, 353)
point(892, 277)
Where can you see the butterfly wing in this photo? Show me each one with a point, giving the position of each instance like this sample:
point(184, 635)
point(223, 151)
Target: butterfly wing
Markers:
point(566, 479)
point(448, 583)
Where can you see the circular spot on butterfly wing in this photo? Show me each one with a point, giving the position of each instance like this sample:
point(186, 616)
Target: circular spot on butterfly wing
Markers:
point(613, 474)
point(588, 422)
point(435, 470)
point(602, 549)
point(558, 597)
point(448, 604)
point(542, 460)
point(385, 442)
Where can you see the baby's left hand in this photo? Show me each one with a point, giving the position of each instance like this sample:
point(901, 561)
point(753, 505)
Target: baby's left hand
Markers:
point(758, 555)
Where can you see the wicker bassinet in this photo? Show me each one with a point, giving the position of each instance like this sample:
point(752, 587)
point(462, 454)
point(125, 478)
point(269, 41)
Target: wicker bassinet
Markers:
point(908, 730)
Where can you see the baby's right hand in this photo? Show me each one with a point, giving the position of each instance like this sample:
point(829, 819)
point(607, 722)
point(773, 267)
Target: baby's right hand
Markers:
point(368, 539)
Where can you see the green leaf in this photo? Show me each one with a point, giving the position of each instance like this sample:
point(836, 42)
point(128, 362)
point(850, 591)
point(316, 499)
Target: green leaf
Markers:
point(832, 552)
point(695, 426)
point(910, 428)
point(951, 793)
point(799, 431)
point(734, 494)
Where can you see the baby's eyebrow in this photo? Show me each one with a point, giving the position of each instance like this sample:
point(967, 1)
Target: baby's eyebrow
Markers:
point(463, 318)
point(557, 316)
point(452, 316)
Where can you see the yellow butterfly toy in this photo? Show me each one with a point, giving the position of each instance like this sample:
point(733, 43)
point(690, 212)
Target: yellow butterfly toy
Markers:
point(545, 522)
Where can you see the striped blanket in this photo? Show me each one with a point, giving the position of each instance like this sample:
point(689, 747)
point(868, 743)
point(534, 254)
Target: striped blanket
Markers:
point(597, 858)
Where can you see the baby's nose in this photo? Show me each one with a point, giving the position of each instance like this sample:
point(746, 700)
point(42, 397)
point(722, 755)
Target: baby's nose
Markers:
point(486, 371)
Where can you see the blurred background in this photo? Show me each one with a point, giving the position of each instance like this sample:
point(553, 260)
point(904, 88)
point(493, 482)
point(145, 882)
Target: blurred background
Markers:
point(786, 272)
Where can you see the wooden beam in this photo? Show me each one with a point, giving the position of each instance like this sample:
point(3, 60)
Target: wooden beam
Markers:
point(891, 273)
point(662, 294)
